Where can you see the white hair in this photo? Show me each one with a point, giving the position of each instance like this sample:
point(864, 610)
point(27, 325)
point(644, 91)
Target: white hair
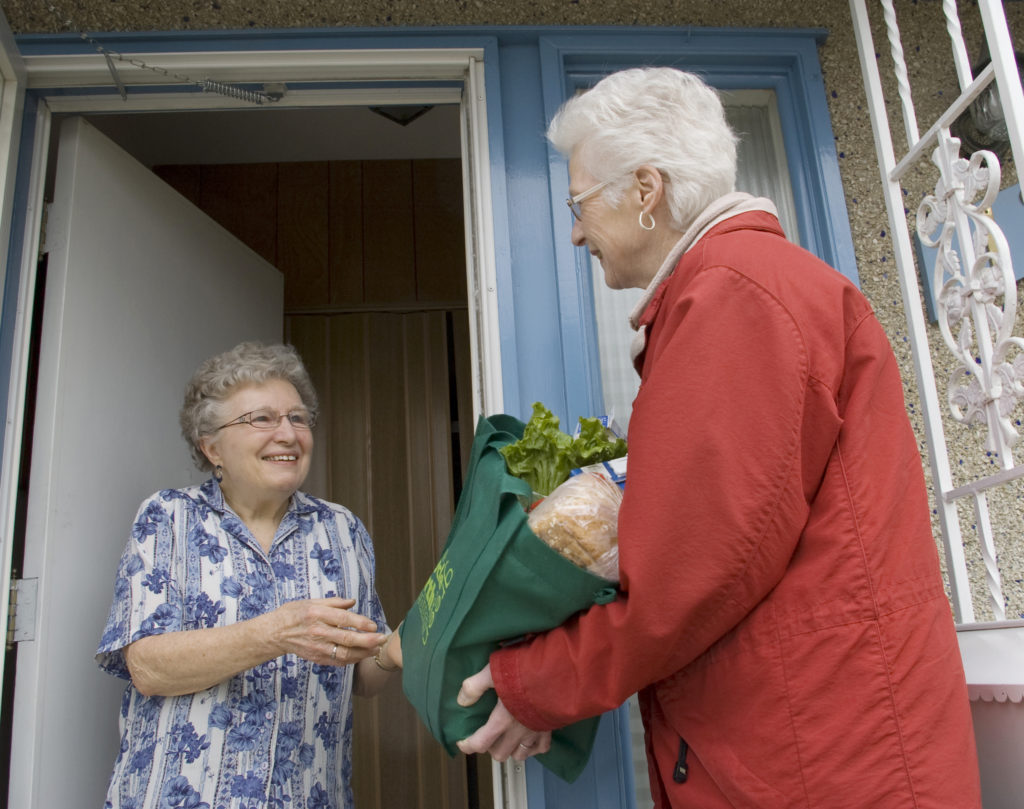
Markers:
point(658, 116)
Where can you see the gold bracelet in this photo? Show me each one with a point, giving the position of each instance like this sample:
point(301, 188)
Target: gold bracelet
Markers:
point(379, 660)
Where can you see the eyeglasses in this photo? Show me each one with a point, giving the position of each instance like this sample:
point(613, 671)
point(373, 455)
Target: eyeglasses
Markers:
point(270, 419)
point(574, 202)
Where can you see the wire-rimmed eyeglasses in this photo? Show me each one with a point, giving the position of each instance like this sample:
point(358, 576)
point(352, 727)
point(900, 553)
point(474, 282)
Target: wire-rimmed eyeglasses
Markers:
point(266, 419)
point(574, 202)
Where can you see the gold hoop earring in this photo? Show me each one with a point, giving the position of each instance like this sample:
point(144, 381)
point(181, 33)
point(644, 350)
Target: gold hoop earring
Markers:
point(650, 216)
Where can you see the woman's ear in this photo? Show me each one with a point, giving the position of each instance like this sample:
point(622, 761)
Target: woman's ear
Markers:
point(651, 184)
point(208, 446)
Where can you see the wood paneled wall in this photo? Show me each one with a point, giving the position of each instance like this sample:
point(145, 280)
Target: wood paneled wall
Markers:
point(346, 234)
point(375, 301)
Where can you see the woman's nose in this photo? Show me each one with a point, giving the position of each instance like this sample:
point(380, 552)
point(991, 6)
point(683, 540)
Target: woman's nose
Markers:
point(285, 430)
point(577, 233)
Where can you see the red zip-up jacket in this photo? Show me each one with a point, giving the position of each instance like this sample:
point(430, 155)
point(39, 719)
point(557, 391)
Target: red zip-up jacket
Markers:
point(783, 614)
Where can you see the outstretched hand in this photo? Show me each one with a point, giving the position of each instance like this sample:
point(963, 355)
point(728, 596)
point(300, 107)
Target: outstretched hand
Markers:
point(322, 630)
point(502, 736)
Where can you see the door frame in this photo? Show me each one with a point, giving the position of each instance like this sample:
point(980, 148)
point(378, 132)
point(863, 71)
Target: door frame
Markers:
point(69, 81)
point(12, 100)
point(82, 83)
point(12, 81)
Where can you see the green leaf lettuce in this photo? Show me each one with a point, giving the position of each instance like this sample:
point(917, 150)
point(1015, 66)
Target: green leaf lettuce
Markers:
point(545, 455)
point(593, 444)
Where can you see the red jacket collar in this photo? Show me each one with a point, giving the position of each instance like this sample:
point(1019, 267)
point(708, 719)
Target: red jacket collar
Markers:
point(753, 220)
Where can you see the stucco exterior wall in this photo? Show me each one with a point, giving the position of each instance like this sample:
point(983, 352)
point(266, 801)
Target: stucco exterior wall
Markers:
point(931, 75)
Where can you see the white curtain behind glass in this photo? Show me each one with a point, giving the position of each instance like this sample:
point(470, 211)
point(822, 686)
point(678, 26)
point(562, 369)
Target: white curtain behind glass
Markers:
point(762, 171)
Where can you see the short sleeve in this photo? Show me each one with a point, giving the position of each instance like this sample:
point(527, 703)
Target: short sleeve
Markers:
point(368, 599)
point(147, 599)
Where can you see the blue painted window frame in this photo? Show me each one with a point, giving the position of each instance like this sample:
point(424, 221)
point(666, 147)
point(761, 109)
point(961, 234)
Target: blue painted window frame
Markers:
point(785, 61)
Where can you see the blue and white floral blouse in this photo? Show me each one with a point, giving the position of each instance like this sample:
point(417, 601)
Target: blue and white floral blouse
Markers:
point(278, 735)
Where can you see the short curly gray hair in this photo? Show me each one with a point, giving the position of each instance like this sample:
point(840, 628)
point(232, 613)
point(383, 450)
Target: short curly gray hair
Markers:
point(218, 377)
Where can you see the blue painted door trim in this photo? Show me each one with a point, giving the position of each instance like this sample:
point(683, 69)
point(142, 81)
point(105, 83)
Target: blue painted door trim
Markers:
point(605, 783)
point(12, 278)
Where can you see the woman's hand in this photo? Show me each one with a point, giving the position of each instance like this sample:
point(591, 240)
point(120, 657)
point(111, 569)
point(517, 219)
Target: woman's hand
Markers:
point(319, 630)
point(324, 631)
point(502, 736)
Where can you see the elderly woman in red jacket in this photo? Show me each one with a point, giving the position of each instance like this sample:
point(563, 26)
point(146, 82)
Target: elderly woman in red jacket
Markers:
point(782, 612)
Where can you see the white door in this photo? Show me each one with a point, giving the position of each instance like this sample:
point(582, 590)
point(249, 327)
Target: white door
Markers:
point(141, 287)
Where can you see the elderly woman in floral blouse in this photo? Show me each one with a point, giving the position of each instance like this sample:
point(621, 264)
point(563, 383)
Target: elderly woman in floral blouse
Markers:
point(244, 612)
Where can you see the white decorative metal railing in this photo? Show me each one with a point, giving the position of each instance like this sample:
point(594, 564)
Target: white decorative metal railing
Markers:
point(976, 291)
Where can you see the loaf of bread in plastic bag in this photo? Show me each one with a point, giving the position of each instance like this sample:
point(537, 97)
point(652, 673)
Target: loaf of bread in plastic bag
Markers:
point(579, 519)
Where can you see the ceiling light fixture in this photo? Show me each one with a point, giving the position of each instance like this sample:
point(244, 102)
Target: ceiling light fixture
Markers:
point(403, 115)
point(983, 125)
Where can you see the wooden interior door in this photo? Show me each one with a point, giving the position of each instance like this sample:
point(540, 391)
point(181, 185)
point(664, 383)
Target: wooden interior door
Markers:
point(373, 255)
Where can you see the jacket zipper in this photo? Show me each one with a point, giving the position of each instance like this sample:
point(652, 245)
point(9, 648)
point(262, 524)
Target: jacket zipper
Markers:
point(682, 770)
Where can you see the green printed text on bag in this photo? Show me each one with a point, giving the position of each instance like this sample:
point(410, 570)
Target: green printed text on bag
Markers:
point(495, 582)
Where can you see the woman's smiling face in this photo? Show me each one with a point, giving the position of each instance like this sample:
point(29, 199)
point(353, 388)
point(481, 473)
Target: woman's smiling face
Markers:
point(262, 464)
point(610, 234)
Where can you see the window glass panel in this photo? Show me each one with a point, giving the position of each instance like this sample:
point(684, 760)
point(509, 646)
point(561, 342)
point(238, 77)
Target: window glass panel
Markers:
point(761, 171)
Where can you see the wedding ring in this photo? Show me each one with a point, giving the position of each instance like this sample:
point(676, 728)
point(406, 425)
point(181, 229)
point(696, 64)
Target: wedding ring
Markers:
point(334, 652)
point(525, 746)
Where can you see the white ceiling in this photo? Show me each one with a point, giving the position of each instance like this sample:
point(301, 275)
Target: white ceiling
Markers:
point(265, 135)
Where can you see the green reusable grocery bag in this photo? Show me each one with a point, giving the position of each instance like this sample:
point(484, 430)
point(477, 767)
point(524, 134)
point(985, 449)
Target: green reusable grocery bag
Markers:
point(496, 581)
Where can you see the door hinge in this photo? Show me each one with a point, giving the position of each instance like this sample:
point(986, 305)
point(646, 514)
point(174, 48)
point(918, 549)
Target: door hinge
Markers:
point(21, 611)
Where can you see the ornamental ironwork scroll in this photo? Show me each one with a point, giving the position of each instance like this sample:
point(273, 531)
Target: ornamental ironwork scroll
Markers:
point(977, 293)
